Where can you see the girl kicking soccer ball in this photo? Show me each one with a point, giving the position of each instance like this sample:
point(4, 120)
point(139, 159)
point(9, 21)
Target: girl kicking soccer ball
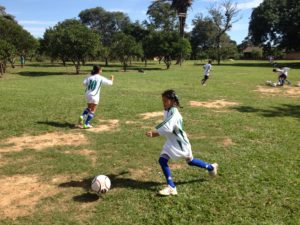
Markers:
point(93, 85)
point(177, 144)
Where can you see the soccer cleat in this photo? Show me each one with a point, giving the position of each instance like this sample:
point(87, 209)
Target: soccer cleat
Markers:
point(214, 172)
point(80, 120)
point(168, 191)
point(87, 126)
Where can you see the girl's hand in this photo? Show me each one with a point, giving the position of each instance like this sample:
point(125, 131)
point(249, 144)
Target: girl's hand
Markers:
point(149, 134)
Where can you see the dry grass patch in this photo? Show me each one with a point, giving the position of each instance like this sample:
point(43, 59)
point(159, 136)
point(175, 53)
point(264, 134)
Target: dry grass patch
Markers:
point(216, 104)
point(150, 115)
point(177, 165)
point(288, 91)
point(43, 141)
point(108, 125)
point(20, 194)
point(141, 174)
point(227, 142)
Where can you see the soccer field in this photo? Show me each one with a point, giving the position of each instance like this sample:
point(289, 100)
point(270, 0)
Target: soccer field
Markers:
point(251, 130)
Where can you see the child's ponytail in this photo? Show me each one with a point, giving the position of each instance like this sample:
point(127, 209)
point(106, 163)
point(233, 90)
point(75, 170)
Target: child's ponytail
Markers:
point(171, 94)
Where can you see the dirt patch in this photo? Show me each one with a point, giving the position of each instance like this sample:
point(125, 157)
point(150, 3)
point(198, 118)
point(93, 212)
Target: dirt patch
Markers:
point(105, 126)
point(292, 92)
point(90, 154)
point(285, 90)
point(43, 141)
point(217, 104)
point(268, 90)
point(20, 194)
point(149, 115)
point(227, 142)
point(140, 174)
point(177, 166)
point(131, 122)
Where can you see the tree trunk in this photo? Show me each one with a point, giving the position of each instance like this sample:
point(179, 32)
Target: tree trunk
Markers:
point(106, 61)
point(125, 66)
point(167, 61)
point(145, 62)
point(1, 70)
point(77, 66)
point(218, 55)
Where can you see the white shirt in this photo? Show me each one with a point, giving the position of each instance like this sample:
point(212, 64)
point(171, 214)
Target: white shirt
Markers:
point(93, 85)
point(207, 68)
point(283, 70)
point(177, 144)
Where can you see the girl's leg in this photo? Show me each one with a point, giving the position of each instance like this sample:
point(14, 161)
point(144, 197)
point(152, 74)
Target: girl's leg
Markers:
point(92, 109)
point(163, 161)
point(200, 163)
point(85, 112)
point(211, 168)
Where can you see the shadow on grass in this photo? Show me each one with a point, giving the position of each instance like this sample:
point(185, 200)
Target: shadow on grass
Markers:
point(285, 110)
point(43, 73)
point(46, 65)
point(117, 182)
point(57, 124)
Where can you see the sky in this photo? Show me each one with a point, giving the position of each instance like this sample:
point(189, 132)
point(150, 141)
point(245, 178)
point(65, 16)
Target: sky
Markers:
point(37, 15)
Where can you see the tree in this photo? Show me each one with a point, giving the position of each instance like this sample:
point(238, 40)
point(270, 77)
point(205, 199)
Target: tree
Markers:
point(181, 7)
point(124, 47)
point(203, 35)
point(276, 23)
point(223, 16)
point(204, 40)
point(162, 16)
point(16, 38)
point(165, 45)
point(71, 40)
point(5, 15)
point(105, 23)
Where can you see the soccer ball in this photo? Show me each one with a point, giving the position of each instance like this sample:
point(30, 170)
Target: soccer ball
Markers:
point(274, 85)
point(101, 184)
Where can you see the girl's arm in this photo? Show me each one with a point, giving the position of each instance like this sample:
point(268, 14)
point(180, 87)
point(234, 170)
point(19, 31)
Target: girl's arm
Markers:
point(152, 134)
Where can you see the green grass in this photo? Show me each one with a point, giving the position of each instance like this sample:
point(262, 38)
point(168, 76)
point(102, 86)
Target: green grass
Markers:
point(259, 178)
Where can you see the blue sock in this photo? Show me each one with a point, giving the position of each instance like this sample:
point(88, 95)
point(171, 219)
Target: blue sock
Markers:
point(85, 112)
point(200, 163)
point(89, 118)
point(166, 170)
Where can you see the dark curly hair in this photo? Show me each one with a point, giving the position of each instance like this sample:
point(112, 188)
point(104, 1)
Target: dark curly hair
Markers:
point(171, 94)
point(96, 69)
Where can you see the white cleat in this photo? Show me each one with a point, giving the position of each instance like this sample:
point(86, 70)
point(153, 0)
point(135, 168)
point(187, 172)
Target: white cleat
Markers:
point(87, 126)
point(214, 172)
point(80, 120)
point(168, 191)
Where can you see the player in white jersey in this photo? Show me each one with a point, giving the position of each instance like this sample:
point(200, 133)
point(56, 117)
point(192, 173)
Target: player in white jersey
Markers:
point(177, 144)
point(93, 84)
point(282, 75)
point(207, 67)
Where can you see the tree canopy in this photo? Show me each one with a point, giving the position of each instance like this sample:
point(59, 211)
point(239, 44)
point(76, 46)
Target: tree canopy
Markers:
point(73, 41)
point(276, 23)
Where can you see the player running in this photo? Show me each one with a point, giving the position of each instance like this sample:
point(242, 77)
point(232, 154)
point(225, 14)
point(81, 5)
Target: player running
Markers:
point(93, 84)
point(207, 67)
point(177, 144)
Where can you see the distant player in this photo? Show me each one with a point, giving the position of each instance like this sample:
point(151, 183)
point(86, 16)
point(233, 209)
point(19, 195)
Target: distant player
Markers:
point(177, 144)
point(22, 60)
point(207, 68)
point(282, 75)
point(93, 84)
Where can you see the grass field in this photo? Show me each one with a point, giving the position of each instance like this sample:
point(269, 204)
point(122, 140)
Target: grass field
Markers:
point(46, 165)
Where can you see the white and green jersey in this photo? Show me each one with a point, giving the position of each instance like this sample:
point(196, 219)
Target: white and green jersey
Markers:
point(93, 85)
point(177, 144)
point(207, 68)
